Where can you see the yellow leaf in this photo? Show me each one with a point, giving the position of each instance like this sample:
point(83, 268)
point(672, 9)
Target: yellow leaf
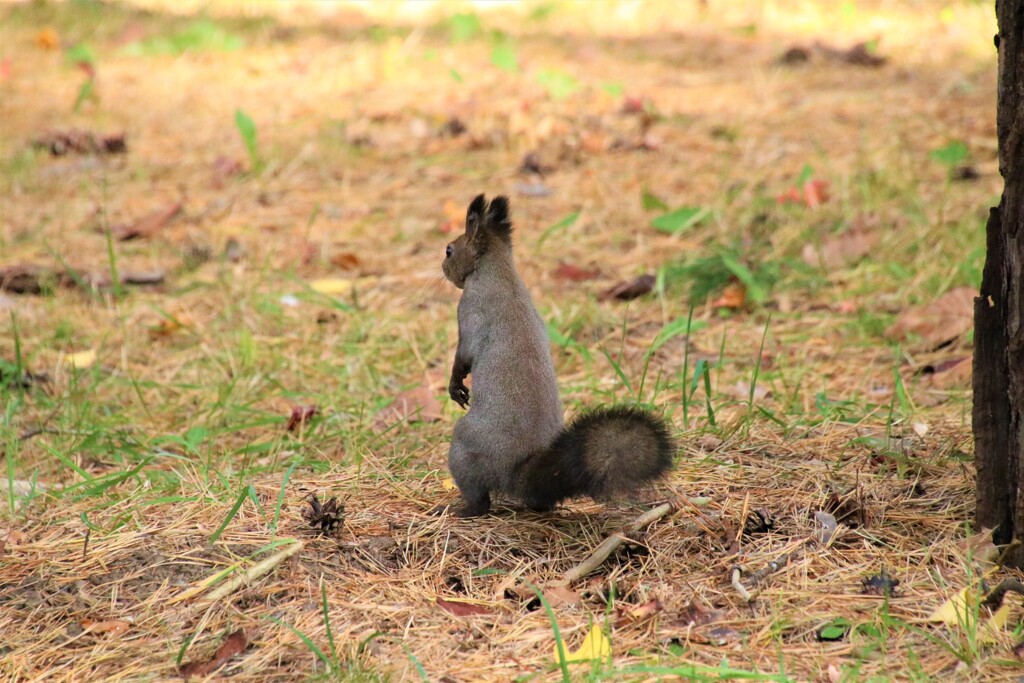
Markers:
point(957, 612)
point(594, 646)
point(82, 359)
point(448, 484)
point(337, 286)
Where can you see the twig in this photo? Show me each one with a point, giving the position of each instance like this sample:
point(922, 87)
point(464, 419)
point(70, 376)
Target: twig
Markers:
point(255, 572)
point(757, 577)
point(609, 544)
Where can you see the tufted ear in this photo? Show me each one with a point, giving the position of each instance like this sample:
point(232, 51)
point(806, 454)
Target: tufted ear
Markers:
point(498, 221)
point(475, 216)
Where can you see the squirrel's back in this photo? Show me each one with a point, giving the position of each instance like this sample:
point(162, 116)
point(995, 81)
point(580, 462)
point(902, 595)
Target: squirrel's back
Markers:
point(513, 439)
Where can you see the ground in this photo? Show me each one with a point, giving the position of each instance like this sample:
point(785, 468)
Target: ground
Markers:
point(220, 244)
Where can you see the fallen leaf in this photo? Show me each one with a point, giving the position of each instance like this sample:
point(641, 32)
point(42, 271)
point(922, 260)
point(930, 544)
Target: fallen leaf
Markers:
point(625, 291)
point(346, 260)
point(841, 250)
point(413, 405)
point(232, 645)
point(76, 141)
point(812, 194)
point(454, 216)
point(337, 286)
point(148, 224)
point(860, 54)
point(795, 55)
point(567, 271)
point(829, 525)
point(82, 359)
point(170, 324)
point(24, 278)
point(834, 673)
point(594, 646)
point(959, 610)
point(631, 614)
point(47, 39)
point(980, 548)
point(557, 596)
point(150, 277)
point(448, 484)
point(938, 322)
point(462, 608)
point(956, 372)
point(733, 296)
point(300, 416)
point(114, 628)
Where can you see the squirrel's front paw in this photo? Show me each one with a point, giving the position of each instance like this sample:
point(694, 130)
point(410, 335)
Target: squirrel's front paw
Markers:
point(459, 393)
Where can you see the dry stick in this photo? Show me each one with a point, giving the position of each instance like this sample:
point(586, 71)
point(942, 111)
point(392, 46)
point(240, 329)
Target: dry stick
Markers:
point(609, 544)
point(761, 574)
point(255, 572)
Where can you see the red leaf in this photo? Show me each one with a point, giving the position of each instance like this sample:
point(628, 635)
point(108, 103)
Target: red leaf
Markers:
point(567, 271)
point(301, 415)
point(461, 609)
point(232, 645)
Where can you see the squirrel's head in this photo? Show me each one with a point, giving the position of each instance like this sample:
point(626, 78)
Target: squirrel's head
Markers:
point(488, 230)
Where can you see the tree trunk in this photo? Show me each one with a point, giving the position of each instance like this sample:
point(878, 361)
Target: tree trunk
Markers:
point(999, 310)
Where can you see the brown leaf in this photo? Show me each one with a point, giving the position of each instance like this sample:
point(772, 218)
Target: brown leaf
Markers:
point(631, 614)
point(558, 596)
point(301, 415)
point(24, 278)
point(148, 224)
point(841, 250)
point(462, 609)
point(346, 260)
point(414, 405)
point(938, 322)
point(114, 628)
point(232, 645)
point(733, 296)
point(625, 291)
point(76, 141)
point(567, 271)
point(956, 372)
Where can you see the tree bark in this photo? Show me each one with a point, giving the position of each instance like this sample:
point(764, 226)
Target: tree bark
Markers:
point(999, 310)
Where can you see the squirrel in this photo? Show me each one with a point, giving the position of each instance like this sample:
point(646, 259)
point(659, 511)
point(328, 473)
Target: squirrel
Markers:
point(512, 439)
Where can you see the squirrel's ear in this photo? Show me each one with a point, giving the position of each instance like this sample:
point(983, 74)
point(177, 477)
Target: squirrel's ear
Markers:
point(475, 215)
point(498, 221)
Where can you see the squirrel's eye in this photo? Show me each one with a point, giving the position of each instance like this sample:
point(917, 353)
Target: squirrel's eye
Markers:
point(448, 251)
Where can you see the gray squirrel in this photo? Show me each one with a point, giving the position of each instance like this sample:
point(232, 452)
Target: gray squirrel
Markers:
point(512, 439)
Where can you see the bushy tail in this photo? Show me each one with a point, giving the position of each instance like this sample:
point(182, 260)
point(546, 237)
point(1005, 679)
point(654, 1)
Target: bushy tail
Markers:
point(603, 454)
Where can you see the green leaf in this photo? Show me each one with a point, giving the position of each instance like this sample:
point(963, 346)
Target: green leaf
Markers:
point(756, 292)
point(464, 27)
point(834, 630)
point(456, 76)
point(653, 202)
point(613, 89)
point(950, 155)
point(80, 54)
point(247, 129)
point(503, 56)
point(86, 92)
point(558, 84)
point(561, 225)
point(679, 220)
point(805, 175)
